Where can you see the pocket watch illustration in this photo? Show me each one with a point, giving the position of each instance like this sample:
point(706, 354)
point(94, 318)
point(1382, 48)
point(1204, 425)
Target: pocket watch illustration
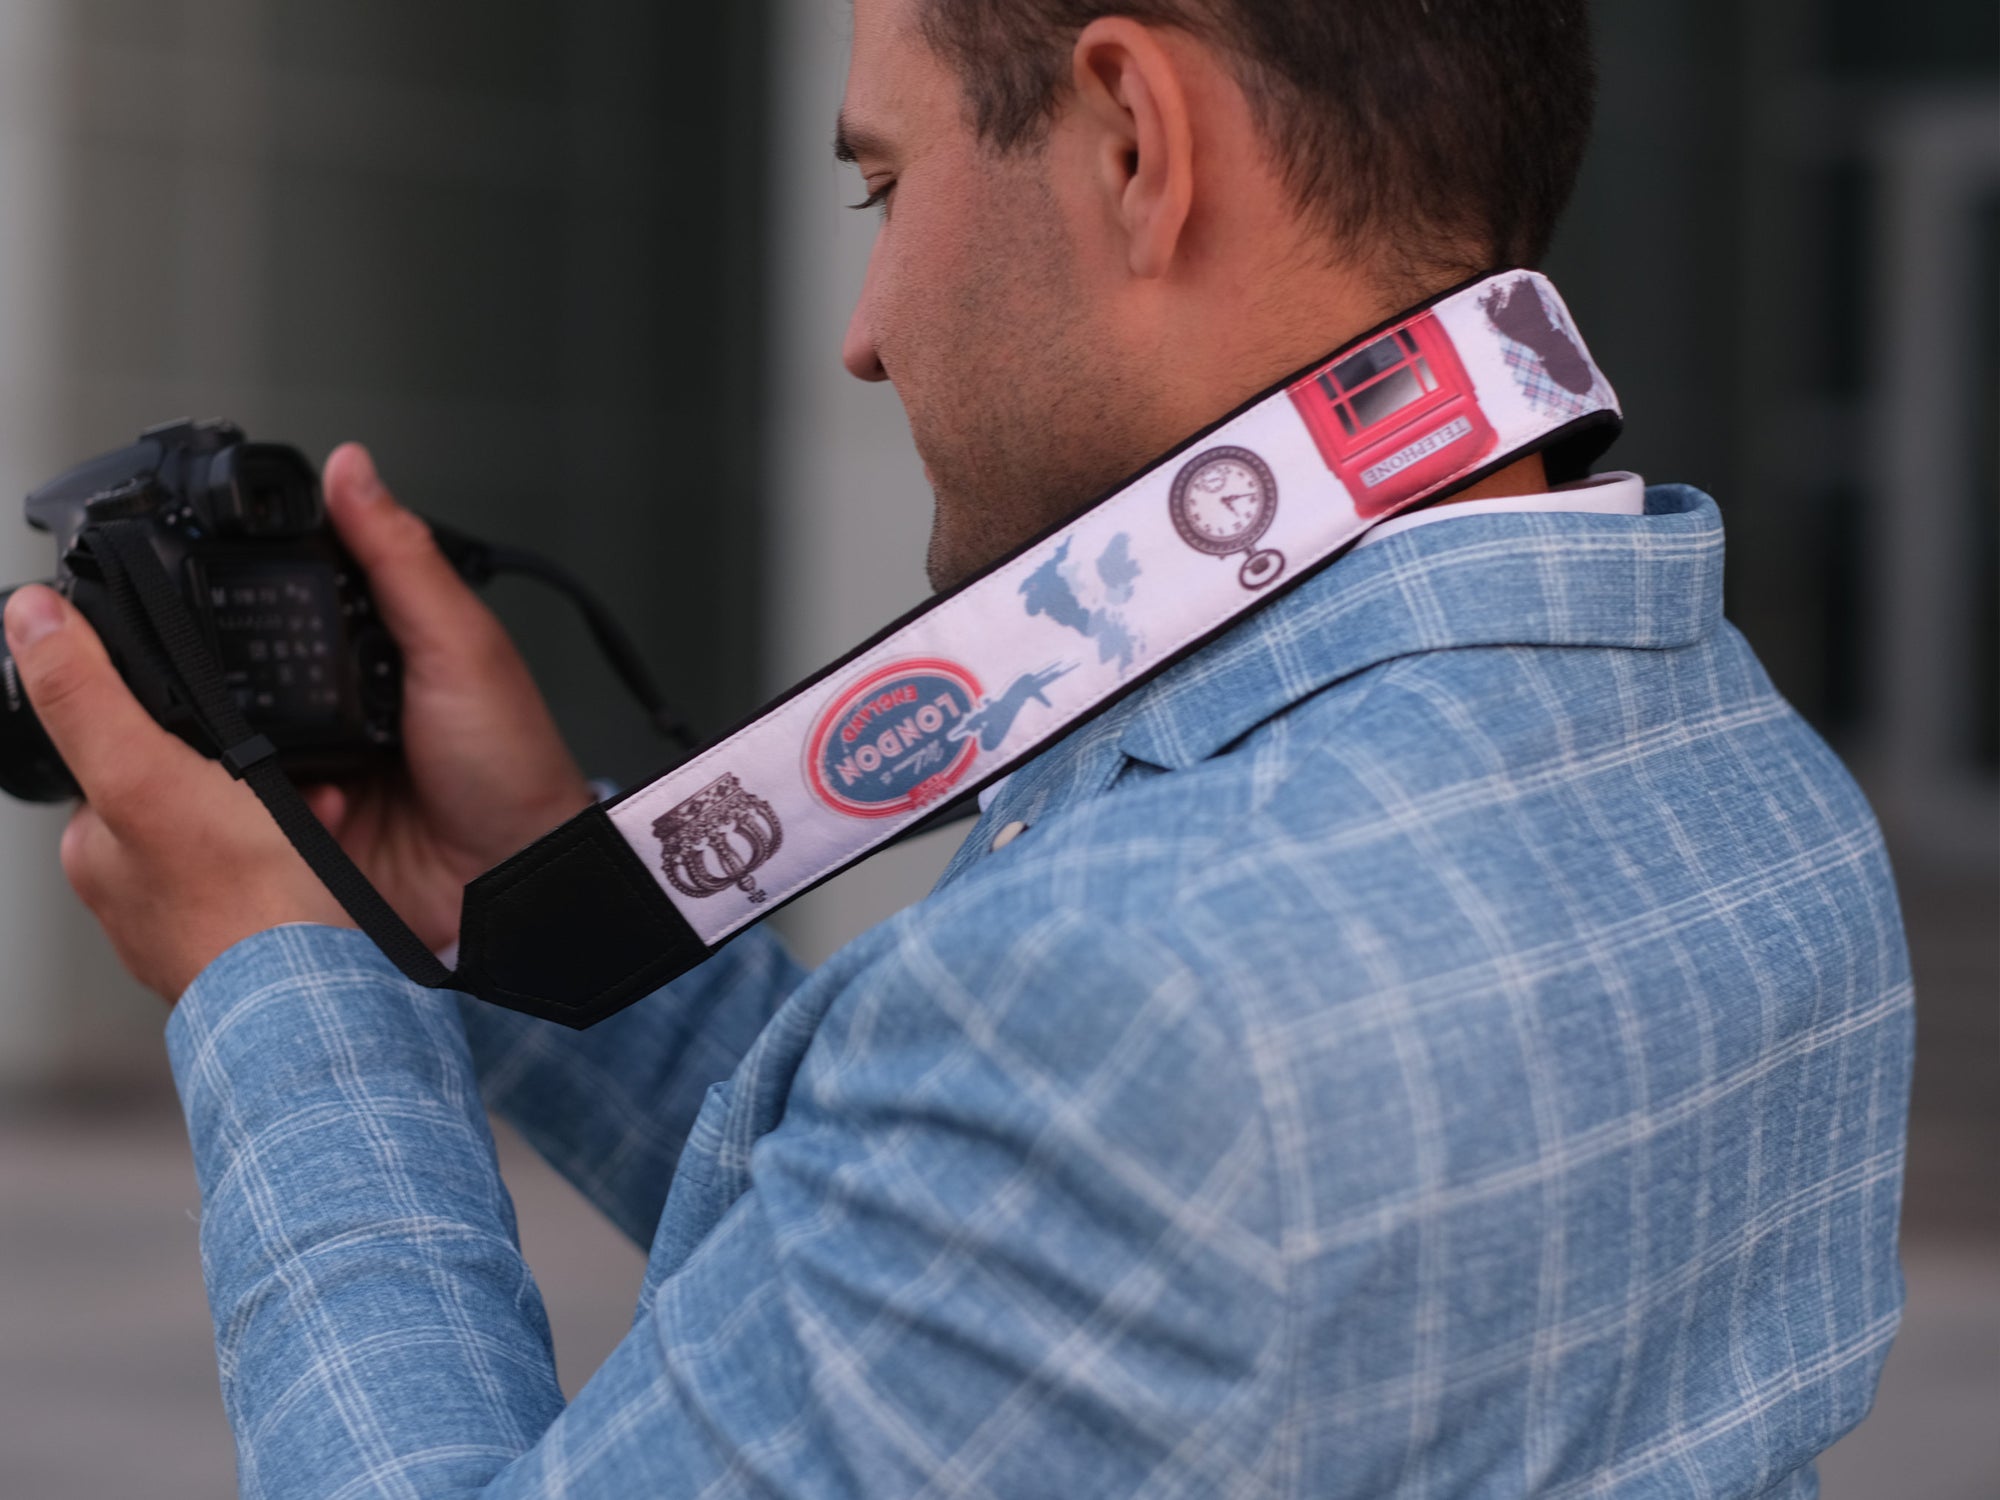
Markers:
point(1222, 503)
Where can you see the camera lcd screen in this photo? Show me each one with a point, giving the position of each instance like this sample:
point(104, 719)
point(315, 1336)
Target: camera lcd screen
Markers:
point(278, 634)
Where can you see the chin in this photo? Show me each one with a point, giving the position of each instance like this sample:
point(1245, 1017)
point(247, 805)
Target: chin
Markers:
point(945, 573)
point(954, 557)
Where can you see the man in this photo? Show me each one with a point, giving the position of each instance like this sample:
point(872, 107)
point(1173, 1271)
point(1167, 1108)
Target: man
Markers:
point(1449, 1035)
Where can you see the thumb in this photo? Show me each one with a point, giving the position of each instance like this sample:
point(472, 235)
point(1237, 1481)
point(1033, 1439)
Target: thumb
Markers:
point(329, 804)
point(105, 737)
point(426, 605)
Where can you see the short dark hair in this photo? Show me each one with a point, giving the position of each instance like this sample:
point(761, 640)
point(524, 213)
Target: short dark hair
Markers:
point(1434, 135)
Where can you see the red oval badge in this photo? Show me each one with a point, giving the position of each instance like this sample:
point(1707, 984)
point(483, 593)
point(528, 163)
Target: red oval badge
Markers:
point(895, 741)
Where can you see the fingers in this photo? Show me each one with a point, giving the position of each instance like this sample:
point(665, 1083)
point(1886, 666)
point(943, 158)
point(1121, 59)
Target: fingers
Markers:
point(82, 840)
point(109, 742)
point(426, 605)
point(329, 805)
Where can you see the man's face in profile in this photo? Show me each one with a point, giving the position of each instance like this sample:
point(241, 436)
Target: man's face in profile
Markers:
point(979, 303)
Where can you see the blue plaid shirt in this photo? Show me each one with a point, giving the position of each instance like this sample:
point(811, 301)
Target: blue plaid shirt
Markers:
point(1451, 1036)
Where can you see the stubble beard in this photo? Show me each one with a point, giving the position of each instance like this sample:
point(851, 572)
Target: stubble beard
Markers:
point(985, 510)
point(1044, 433)
point(1018, 405)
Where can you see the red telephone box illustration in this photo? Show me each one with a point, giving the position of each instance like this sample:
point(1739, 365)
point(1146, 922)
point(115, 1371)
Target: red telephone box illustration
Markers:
point(1396, 417)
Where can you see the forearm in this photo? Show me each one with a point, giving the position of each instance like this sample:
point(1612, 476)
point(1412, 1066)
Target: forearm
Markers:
point(374, 1319)
point(610, 1107)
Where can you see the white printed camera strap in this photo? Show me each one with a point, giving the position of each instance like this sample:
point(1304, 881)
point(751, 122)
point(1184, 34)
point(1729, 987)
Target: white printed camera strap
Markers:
point(961, 691)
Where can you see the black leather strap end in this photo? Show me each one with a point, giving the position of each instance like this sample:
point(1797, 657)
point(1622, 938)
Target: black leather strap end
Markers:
point(1570, 453)
point(573, 928)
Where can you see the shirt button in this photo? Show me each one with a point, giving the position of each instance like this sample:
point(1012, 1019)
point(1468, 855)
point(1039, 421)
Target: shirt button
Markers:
point(1007, 835)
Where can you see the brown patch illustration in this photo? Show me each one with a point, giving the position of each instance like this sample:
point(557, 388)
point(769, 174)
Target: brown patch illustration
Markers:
point(1518, 312)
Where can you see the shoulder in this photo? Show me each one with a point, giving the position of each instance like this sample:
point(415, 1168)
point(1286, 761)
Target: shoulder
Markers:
point(1447, 811)
point(1441, 845)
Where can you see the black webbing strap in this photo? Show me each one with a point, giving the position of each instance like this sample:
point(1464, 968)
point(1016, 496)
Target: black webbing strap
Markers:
point(571, 929)
point(141, 588)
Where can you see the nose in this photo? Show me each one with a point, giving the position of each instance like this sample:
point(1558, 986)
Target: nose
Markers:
point(857, 349)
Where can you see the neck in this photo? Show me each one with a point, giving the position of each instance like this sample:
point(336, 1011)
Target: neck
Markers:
point(1528, 476)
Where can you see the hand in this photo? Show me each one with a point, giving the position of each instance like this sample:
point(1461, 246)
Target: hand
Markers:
point(485, 771)
point(178, 861)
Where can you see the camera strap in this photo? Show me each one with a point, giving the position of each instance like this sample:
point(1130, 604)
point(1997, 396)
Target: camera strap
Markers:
point(153, 609)
point(977, 681)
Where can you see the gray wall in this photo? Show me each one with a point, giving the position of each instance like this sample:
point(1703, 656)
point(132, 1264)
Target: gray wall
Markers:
point(1784, 250)
point(37, 934)
point(514, 244)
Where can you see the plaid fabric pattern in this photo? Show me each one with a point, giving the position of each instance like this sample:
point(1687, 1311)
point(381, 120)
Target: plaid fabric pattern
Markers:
point(1533, 376)
point(1451, 1036)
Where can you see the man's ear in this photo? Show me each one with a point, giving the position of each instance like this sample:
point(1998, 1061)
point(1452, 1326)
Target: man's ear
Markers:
point(1128, 90)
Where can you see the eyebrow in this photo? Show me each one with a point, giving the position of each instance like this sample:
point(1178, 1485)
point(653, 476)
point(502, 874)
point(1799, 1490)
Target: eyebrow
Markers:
point(851, 142)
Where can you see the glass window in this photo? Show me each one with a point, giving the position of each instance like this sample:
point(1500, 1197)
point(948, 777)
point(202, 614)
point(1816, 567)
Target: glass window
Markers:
point(1361, 368)
point(1387, 397)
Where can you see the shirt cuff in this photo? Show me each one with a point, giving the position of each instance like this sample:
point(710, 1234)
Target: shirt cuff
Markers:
point(284, 1014)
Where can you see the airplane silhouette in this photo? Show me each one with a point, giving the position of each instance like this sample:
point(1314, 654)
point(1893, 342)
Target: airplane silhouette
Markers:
point(995, 720)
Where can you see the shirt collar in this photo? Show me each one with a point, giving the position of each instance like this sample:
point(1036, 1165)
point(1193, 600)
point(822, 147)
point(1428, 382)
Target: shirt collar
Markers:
point(1643, 582)
point(1614, 494)
point(1605, 494)
point(1651, 581)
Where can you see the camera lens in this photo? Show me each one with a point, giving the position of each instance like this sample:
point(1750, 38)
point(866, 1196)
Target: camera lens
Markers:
point(30, 769)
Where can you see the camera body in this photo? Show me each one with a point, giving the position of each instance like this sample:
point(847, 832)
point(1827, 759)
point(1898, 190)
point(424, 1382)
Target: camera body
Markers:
point(241, 528)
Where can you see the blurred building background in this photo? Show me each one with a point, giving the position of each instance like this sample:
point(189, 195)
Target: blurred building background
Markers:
point(577, 269)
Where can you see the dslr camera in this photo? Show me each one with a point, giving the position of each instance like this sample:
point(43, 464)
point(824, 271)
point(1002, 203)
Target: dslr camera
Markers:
point(240, 528)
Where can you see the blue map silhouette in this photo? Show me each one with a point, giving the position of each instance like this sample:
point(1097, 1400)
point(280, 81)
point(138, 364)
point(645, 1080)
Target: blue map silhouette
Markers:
point(1119, 569)
point(1049, 591)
